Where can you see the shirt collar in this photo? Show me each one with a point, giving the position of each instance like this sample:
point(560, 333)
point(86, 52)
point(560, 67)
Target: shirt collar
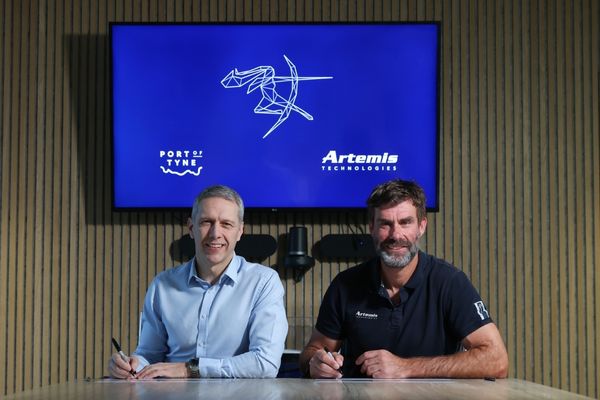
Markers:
point(231, 273)
point(413, 282)
point(417, 277)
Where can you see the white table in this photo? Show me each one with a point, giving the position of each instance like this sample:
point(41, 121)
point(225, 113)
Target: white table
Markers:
point(289, 388)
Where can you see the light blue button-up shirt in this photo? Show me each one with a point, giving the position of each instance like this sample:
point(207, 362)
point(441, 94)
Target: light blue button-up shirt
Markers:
point(236, 327)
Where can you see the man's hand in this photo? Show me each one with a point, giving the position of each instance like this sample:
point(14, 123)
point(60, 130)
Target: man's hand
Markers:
point(382, 364)
point(324, 365)
point(163, 370)
point(120, 369)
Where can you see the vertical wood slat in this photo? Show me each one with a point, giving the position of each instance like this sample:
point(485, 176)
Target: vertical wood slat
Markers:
point(7, 201)
point(519, 162)
point(38, 310)
point(537, 347)
point(20, 124)
point(592, 234)
point(5, 21)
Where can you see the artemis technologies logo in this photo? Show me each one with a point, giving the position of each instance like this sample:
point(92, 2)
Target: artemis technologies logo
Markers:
point(363, 315)
point(359, 162)
point(271, 102)
point(180, 162)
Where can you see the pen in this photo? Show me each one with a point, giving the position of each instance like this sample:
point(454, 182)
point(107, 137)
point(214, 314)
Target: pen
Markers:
point(333, 358)
point(123, 356)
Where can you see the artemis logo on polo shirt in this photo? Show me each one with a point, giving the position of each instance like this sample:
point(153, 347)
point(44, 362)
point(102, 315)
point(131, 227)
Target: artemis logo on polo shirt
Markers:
point(363, 315)
point(480, 307)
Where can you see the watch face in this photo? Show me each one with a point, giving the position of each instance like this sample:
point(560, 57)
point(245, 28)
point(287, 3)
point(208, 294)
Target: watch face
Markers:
point(192, 368)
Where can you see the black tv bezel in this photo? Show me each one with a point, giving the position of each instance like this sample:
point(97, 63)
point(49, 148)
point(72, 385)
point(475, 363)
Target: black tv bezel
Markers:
point(252, 209)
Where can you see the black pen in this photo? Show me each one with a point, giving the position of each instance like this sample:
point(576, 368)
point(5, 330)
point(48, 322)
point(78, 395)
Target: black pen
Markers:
point(123, 356)
point(333, 358)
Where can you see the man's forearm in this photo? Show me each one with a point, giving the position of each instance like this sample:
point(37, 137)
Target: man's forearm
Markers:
point(475, 363)
point(253, 364)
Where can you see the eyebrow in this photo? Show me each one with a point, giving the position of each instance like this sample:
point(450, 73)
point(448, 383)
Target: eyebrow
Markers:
point(222, 221)
point(405, 220)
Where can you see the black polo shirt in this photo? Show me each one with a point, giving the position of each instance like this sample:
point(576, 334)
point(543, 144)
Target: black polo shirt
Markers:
point(438, 308)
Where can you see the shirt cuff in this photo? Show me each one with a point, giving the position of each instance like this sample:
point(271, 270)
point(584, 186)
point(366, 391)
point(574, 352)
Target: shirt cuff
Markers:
point(143, 363)
point(211, 368)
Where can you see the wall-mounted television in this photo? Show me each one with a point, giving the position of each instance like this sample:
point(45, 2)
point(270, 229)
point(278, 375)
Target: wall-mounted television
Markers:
point(290, 115)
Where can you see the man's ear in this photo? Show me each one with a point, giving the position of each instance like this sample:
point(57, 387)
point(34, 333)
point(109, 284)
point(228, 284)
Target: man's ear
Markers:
point(190, 225)
point(241, 232)
point(422, 226)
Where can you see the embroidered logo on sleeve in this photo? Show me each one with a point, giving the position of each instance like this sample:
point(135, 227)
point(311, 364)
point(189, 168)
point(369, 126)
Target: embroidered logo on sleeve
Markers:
point(480, 307)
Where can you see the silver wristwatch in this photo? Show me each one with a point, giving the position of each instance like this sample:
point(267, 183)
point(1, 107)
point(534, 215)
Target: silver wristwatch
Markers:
point(193, 371)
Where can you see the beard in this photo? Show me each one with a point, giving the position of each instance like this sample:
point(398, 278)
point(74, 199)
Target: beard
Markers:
point(397, 261)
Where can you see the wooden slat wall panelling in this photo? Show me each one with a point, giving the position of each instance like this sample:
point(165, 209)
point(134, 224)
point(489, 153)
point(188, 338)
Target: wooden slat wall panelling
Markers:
point(40, 309)
point(59, 315)
point(579, 201)
point(591, 104)
point(471, 191)
point(572, 180)
point(100, 187)
point(551, 182)
point(21, 126)
point(541, 197)
point(4, 183)
point(532, 24)
point(478, 123)
point(560, 209)
point(567, 135)
point(70, 195)
point(490, 170)
point(579, 204)
point(8, 198)
point(516, 181)
point(31, 267)
point(5, 40)
point(506, 182)
point(594, 188)
point(447, 142)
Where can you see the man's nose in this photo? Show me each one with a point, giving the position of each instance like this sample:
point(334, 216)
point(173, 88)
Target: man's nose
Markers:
point(396, 232)
point(214, 231)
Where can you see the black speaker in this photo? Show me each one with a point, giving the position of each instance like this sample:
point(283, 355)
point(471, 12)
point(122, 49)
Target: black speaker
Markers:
point(256, 247)
point(297, 255)
point(346, 246)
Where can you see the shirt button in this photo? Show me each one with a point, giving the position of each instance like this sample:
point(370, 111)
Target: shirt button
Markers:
point(202, 317)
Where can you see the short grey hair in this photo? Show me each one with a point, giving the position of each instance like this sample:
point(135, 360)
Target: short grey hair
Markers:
point(223, 192)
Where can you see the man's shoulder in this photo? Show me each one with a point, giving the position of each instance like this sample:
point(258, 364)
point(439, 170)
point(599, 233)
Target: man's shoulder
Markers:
point(176, 273)
point(441, 273)
point(438, 266)
point(254, 268)
point(251, 271)
point(357, 275)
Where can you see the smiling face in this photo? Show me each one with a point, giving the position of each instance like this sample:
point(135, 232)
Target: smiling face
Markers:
point(396, 230)
point(216, 230)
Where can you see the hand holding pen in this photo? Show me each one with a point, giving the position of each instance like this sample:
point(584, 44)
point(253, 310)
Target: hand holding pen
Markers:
point(339, 360)
point(117, 362)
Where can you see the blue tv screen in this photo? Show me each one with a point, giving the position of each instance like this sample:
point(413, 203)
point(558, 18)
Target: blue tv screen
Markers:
point(289, 115)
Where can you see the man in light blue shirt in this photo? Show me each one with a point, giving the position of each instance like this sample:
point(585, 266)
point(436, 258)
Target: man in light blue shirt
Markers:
point(216, 315)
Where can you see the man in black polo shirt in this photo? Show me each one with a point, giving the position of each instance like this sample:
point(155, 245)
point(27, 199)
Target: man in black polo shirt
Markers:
point(405, 313)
